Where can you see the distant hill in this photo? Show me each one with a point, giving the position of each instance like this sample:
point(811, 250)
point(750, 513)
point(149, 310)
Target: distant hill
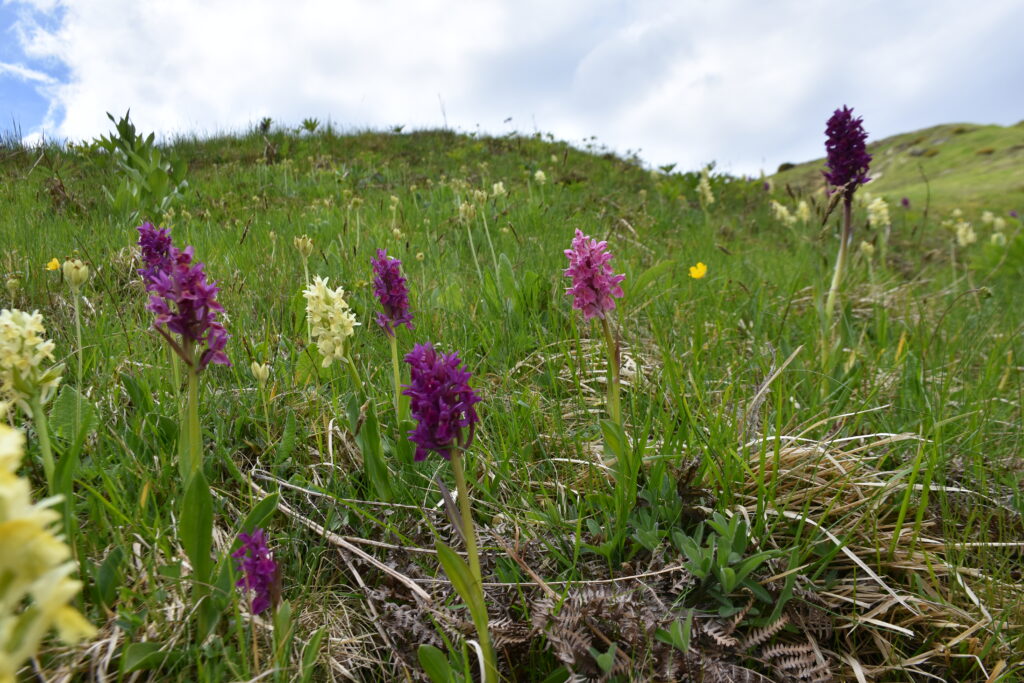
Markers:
point(969, 166)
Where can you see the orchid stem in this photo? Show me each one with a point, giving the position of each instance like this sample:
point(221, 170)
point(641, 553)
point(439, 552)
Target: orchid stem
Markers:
point(614, 406)
point(78, 377)
point(194, 432)
point(472, 554)
point(397, 372)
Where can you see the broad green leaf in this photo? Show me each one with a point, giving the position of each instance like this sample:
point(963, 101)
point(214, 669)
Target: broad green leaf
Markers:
point(463, 582)
point(287, 442)
point(310, 653)
point(260, 512)
point(149, 655)
point(434, 664)
point(615, 438)
point(63, 414)
point(653, 274)
point(196, 526)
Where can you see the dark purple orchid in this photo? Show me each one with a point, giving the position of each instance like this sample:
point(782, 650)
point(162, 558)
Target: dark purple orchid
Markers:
point(1013, 214)
point(905, 203)
point(389, 287)
point(441, 402)
point(848, 158)
point(259, 572)
point(182, 299)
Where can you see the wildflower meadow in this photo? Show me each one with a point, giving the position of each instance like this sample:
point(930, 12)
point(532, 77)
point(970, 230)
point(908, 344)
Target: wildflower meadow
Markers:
point(298, 405)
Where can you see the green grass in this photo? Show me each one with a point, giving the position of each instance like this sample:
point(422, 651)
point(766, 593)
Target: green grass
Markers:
point(879, 467)
point(965, 166)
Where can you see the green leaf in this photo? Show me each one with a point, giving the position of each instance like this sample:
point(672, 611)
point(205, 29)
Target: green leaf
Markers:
point(63, 414)
point(107, 577)
point(678, 635)
point(196, 526)
point(259, 514)
point(615, 438)
point(463, 582)
point(138, 393)
point(559, 675)
point(367, 436)
point(310, 653)
point(149, 655)
point(506, 277)
point(434, 664)
point(287, 443)
point(605, 660)
point(646, 278)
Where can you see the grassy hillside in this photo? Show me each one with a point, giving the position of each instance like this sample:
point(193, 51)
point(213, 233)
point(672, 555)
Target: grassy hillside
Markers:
point(783, 497)
point(966, 166)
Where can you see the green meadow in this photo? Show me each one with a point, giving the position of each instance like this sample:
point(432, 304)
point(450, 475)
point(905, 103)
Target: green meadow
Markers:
point(787, 498)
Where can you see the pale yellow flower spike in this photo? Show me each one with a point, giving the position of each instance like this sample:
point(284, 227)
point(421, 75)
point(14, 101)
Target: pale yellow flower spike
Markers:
point(698, 271)
point(36, 566)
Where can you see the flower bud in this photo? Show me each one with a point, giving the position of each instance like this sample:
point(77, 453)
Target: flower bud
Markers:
point(76, 273)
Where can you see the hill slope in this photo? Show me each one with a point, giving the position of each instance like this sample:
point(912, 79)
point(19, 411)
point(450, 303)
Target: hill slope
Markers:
point(967, 166)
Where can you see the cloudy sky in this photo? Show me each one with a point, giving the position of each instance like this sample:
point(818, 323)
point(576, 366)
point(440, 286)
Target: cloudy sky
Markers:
point(746, 83)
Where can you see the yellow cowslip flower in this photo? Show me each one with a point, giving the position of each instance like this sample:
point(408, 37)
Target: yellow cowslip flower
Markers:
point(965, 235)
point(707, 198)
point(878, 213)
point(261, 371)
point(23, 351)
point(35, 566)
point(305, 246)
point(76, 273)
point(420, 256)
point(782, 213)
point(331, 321)
point(698, 271)
point(803, 212)
point(467, 212)
point(53, 264)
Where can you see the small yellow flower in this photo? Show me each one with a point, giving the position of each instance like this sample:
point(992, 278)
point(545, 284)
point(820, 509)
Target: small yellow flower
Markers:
point(698, 271)
point(54, 264)
point(420, 256)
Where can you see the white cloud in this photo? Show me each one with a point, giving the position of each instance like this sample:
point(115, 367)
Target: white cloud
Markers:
point(748, 84)
point(24, 73)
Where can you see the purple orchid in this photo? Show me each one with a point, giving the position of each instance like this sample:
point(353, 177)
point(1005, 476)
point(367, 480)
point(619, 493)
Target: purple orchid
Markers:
point(183, 300)
point(259, 572)
point(390, 289)
point(594, 284)
point(441, 402)
point(848, 158)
